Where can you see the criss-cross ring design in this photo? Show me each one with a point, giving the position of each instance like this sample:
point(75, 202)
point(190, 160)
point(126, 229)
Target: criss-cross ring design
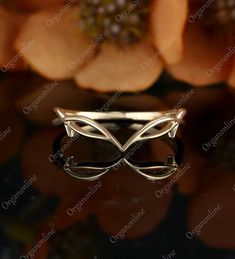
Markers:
point(93, 125)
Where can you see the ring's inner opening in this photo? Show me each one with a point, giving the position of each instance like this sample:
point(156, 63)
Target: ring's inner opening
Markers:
point(85, 149)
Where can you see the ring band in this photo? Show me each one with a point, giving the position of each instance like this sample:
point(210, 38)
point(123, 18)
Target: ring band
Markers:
point(157, 125)
point(97, 169)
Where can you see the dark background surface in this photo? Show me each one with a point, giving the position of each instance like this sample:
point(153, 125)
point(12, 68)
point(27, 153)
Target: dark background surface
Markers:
point(162, 230)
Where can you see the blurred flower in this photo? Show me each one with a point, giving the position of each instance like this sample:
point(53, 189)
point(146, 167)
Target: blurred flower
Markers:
point(201, 107)
point(209, 44)
point(215, 229)
point(28, 5)
point(10, 23)
point(115, 197)
point(210, 183)
point(106, 45)
point(118, 205)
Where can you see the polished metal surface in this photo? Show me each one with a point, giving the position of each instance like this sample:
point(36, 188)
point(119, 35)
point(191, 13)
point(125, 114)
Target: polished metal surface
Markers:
point(157, 124)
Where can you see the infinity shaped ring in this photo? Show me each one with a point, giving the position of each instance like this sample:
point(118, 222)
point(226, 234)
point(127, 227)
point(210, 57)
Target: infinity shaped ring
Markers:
point(95, 125)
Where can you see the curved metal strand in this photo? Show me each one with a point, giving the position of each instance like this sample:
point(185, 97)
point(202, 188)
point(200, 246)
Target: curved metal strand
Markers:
point(106, 135)
point(70, 165)
point(172, 119)
point(171, 169)
point(138, 136)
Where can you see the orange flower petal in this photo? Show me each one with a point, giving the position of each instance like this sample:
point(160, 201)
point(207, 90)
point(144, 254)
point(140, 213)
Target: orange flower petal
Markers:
point(58, 47)
point(215, 227)
point(202, 57)
point(37, 160)
point(168, 20)
point(125, 193)
point(9, 27)
point(33, 5)
point(62, 219)
point(139, 204)
point(131, 68)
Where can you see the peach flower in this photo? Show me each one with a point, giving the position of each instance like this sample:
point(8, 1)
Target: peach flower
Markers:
point(29, 5)
point(209, 44)
point(210, 182)
point(10, 24)
point(106, 45)
point(13, 14)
